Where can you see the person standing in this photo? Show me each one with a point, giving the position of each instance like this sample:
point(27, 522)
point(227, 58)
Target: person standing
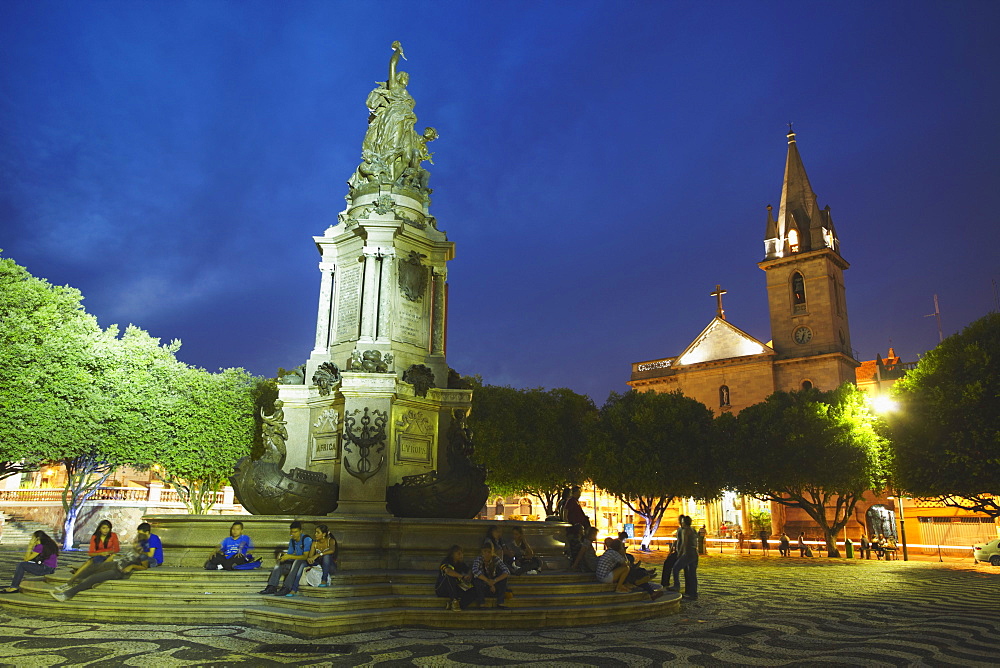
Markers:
point(702, 540)
point(739, 540)
point(866, 548)
point(687, 559)
point(574, 511)
point(763, 541)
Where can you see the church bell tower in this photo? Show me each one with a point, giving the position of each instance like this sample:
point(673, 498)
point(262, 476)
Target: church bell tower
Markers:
point(805, 287)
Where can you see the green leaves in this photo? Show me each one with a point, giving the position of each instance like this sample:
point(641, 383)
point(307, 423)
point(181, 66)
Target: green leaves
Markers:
point(946, 431)
point(530, 441)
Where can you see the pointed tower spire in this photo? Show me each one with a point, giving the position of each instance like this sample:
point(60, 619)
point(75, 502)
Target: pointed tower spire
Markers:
point(801, 225)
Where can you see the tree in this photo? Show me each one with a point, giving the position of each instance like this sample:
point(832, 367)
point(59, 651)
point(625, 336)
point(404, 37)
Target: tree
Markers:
point(210, 419)
point(531, 441)
point(946, 431)
point(811, 450)
point(649, 449)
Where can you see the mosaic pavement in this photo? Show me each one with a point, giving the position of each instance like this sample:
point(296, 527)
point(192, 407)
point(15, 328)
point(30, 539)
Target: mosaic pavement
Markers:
point(752, 611)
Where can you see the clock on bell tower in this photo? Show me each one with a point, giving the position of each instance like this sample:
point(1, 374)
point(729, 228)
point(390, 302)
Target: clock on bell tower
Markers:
point(805, 287)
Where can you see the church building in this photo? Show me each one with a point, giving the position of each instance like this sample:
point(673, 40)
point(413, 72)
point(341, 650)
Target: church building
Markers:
point(726, 368)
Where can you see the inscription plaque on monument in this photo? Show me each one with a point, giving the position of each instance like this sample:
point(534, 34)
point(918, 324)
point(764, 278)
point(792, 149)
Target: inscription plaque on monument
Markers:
point(326, 435)
point(410, 323)
point(414, 438)
point(349, 308)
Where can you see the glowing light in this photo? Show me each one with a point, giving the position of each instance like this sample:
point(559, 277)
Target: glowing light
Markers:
point(883, 404)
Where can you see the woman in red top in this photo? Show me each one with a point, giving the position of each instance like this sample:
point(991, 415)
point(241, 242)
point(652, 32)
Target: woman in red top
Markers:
point(103, 544)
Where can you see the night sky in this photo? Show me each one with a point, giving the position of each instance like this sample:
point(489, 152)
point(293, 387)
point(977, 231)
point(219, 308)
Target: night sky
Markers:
point(600, 167)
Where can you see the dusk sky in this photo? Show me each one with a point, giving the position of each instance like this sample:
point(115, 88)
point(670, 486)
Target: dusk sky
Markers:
point(600, 167)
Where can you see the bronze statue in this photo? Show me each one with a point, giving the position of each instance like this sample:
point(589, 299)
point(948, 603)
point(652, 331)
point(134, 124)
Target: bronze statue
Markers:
point(392, 151)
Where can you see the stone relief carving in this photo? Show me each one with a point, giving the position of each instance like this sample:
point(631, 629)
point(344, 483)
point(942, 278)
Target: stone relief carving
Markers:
point(366, 441)
point(421, 377)
point(326, 435)
point(370, 361)
point(326, 377)
point(412, 276)
point(414, 438)
point(296, 376)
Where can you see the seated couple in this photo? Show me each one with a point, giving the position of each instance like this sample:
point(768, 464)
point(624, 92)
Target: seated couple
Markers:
point(463, 585)
point(107, 562)
point(302, 554)
point(517, 553)
point(616, 566)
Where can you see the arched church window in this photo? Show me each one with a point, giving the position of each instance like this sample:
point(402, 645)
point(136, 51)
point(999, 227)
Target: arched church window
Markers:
point(724, 395)
point(798, 293)
point(525, 506)
point(498, 507)
point(793, 241)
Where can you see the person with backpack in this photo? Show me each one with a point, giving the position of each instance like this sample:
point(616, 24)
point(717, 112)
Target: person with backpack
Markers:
point(291, 563)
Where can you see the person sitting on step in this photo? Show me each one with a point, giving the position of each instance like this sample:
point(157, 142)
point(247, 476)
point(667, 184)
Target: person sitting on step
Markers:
point(40, 558)
point(523, 561)
point(455, 580)
point(291, 563)
point(324, 552)
point(612, 566)
point(151, 549)
point(234, 551)
point(638, 576)
point(500, 547)
point(586, 556)
point(103, 544)
point(574, 541)
point(117, 567)
point(490, 575)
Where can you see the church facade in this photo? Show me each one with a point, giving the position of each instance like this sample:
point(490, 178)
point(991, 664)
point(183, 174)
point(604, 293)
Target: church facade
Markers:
point(726, 368)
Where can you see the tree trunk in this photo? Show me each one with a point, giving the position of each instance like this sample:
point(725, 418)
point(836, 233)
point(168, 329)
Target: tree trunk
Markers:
point(831, 544)
point(652, 525)
point(79, 488)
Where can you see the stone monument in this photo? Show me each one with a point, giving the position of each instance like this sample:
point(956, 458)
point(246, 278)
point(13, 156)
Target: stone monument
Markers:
point(375, 416)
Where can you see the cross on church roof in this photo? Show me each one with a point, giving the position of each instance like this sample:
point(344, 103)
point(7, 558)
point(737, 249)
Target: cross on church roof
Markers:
point(719, 313)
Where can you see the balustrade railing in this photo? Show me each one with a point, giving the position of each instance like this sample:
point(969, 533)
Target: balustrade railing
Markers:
point(132, 494)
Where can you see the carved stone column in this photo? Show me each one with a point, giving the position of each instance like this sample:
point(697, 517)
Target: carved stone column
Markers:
point(438, 317)
point(385, 296)
point(369, 297)
point(325, 307)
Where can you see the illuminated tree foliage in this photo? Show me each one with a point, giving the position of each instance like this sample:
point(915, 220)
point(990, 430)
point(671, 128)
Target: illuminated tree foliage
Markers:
point(817, 451)
point(946, 431)
point(650, 449)
point(93, 399)
point(531, 441)
point(209, 425)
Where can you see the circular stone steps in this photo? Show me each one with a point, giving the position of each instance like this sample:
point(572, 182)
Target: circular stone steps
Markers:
point(355, 601)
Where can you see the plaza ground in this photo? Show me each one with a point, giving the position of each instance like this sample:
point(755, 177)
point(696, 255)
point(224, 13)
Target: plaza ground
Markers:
point(752, 611)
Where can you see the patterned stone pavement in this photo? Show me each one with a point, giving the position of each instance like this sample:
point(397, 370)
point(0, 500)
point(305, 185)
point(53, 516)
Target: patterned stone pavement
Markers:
point(752, 611)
